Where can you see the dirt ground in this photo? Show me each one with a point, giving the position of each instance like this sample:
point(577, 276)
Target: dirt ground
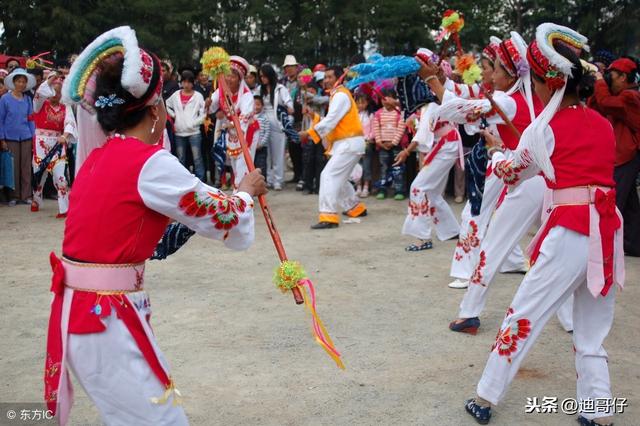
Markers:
point(242, 353)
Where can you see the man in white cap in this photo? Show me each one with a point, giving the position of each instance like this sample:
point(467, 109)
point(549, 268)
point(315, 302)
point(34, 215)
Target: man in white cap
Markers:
point(252, 80)
point(290, 67)
point(290, 81)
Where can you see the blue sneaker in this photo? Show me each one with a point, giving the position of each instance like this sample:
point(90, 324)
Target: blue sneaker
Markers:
point(586, 422)
point(481, 414)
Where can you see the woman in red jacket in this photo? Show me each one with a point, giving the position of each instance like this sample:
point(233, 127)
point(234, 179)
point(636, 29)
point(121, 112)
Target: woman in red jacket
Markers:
point(617, 98)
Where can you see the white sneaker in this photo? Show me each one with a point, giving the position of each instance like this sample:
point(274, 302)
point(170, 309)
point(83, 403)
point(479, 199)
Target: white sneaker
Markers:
point(459, 284)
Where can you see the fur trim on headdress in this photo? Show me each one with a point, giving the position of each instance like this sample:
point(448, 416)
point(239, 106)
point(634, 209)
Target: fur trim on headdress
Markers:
point(138, 68)
point(548, 33)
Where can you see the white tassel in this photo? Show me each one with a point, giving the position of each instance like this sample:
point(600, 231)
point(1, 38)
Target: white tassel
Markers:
point(533, 137)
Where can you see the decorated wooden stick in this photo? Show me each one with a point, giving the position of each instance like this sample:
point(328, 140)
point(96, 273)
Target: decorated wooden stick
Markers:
point(452, 23)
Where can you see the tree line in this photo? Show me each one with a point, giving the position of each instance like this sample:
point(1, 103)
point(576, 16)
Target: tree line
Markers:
point(329, 31)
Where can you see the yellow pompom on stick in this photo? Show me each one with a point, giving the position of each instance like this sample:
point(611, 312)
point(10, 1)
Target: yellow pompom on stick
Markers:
point(215, 61)
point(288, 275)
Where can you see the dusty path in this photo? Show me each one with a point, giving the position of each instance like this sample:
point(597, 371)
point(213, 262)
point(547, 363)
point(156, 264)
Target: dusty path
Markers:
point(241, 353)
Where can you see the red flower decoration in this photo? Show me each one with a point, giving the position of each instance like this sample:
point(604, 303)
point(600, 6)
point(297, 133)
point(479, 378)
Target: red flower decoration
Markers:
point(471, 240)
point(147, 66)
point(477, 276)
point(507, 339)
point(146, 75)
point(432, 213)
point(146, 59)
point(223, 209)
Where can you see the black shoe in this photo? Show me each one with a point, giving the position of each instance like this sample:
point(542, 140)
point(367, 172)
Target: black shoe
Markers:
point(307, 192)
point(363, 214)
point(427, 245)
point(482, 415)
point(586, 422)
point(469, 325)
point(300, 186)
point(324, 225)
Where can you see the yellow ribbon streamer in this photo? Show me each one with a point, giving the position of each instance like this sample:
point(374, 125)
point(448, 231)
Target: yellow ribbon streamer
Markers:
point(329, 349)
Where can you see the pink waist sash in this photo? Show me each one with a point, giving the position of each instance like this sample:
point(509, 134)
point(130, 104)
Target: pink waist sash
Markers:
point(114, 280)
point(605, 265)
point(578, 195)
point(103, 277)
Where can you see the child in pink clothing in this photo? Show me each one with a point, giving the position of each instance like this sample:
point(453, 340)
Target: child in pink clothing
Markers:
point(366, 118)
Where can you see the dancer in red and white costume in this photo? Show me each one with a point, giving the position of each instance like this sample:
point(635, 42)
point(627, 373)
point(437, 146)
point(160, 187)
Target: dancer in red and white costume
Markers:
point(243, 103)
point(519, 210)
point(55, 126)
point(441, 143)
point(123, 198)
point(473, 228)
point(578, 250)
point(465, 99)
point(521, 206)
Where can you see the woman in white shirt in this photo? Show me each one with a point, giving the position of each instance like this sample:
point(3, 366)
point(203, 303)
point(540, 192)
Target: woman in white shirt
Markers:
point(273, 95)
point(186, 107)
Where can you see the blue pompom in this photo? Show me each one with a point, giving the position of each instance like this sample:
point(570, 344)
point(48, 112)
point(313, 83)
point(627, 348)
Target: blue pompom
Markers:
point(382, 69)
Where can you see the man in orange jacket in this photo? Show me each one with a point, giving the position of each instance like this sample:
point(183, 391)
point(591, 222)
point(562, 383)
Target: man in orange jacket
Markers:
point(340, 131)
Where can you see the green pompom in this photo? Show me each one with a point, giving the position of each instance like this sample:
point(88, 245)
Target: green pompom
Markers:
point(288, 274)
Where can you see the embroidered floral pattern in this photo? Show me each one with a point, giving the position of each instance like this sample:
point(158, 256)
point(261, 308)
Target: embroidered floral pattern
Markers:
point(477, 276)
point(146, 71)
point(223, 209)
point(432, 213)
point(61, 186)
point(507, 339)
point(418, 208)
point(471, 240)
point(509, 171)
point(51, 376)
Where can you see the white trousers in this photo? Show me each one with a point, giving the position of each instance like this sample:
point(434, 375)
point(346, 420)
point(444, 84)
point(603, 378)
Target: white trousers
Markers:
point(116, 376)
point(472, 231)
point(59, 182)
point(521, 209)
point(560, 271)
point(275, 158)
point(336, 193)
point(427, 206)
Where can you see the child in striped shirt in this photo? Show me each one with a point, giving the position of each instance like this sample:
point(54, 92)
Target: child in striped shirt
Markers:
point(389, 128)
